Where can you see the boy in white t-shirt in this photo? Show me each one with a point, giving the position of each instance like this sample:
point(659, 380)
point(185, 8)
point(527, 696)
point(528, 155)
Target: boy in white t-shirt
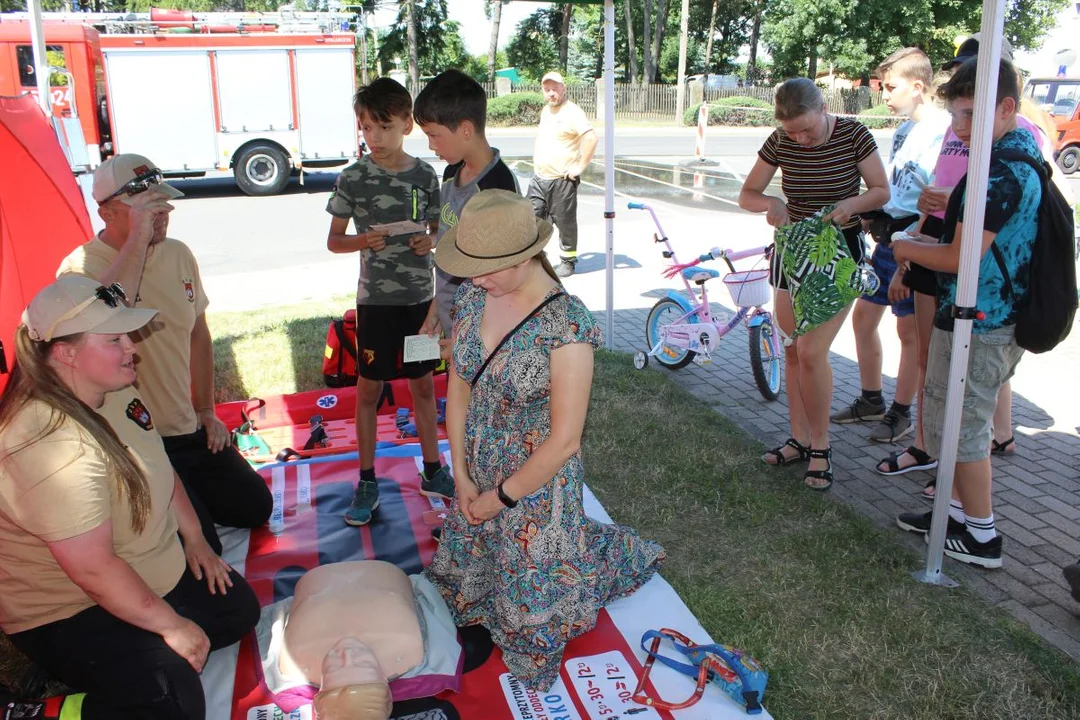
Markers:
point(905, 81)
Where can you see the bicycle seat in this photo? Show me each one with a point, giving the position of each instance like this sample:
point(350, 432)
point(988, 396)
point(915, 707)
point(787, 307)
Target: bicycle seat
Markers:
point(699, 274)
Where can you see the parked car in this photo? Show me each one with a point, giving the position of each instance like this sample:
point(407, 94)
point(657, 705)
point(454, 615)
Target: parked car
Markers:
point(1061, 98)
point(717, 82)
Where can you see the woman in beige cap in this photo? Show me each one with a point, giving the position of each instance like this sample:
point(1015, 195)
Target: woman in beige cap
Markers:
point(97, 589)
point(518, 554)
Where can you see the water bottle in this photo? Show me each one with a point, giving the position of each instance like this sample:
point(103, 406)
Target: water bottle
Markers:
point(303, 488)
point(277, 491)
point(870, 282)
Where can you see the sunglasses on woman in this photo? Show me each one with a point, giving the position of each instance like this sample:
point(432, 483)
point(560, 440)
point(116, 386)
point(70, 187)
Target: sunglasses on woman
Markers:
point(112, 295)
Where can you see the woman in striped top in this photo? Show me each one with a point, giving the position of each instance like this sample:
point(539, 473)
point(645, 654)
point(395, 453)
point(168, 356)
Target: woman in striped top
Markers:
point(824, 159)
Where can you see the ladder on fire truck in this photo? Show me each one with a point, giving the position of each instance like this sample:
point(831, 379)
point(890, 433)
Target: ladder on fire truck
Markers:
point(285, 20)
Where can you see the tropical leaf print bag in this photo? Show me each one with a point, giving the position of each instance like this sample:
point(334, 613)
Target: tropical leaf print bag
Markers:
point(821, 274)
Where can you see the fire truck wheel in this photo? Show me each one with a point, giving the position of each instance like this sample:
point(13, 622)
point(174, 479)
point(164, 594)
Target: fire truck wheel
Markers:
point(262, 170)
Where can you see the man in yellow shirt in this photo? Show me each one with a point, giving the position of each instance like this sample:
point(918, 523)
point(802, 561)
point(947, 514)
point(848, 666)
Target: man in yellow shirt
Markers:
point(175, 351)
point(565, 143)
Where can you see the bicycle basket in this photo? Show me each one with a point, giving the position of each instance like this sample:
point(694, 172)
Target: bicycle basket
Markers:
point(749, 289)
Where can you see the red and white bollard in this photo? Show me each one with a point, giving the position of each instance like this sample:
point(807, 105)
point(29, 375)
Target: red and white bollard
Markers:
point(702, 121)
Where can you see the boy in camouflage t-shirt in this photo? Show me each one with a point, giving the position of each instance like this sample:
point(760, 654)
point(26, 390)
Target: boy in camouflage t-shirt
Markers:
point(396, 284)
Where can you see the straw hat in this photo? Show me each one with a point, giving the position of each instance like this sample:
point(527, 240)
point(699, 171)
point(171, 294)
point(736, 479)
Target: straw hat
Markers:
point(497, 230)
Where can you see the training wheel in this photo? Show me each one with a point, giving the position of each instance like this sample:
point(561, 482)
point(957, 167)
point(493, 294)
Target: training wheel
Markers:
point(641, 360)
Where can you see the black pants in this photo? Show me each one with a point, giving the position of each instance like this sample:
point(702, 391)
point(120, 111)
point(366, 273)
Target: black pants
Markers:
point(556, 202)
point(223, 488)
point(129, 673)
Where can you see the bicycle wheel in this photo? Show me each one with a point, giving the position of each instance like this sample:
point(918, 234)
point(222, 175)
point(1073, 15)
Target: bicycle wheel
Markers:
point(664, 312)
point(764, 362)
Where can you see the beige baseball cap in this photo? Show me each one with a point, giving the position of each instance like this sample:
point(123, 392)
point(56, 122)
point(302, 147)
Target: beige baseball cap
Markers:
point(77, 304)
point(119, 170)
point(554, 77)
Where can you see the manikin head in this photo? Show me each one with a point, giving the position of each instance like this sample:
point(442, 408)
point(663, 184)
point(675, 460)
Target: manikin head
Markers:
point(353, 685)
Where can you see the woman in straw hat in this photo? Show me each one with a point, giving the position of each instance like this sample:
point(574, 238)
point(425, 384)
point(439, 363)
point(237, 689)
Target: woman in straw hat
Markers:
point(97, 589)
point(518, 555)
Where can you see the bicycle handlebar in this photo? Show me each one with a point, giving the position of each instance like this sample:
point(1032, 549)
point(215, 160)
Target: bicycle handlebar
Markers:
point(636, 205)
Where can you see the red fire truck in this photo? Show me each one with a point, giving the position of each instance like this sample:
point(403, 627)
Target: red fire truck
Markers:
point(260, 104)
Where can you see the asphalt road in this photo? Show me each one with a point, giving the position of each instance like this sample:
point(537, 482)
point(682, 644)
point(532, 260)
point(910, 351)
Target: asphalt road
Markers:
point(282, 239)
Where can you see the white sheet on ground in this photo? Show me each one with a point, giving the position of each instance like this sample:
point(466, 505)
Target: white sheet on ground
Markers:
point(653, 606)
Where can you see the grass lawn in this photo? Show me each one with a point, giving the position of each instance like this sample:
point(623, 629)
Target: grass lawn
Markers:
point(817, 593)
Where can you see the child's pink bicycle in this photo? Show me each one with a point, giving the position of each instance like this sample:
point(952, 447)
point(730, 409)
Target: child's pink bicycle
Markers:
point(681, 330)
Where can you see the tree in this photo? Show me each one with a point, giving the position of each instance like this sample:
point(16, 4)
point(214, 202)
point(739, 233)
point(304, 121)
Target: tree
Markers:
point(658, 31)
point(533, 49)
point(493, 8)
point(646, 46)
point(631, 46)
point(410, 33)
point(712, 33)
point(564, 35)
point(442, 42)
point(798, 32)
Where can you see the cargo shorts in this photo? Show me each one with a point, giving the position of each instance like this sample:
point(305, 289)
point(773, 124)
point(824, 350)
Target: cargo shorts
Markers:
point(992, 361)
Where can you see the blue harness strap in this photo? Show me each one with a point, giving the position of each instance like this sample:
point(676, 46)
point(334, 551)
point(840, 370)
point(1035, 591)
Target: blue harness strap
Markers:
point(744, 680)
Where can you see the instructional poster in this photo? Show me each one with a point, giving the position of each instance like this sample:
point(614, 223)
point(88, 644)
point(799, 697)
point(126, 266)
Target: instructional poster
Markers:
point(605, 686)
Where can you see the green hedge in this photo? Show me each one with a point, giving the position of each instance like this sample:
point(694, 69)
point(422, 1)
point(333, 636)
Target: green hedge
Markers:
point(725, 111)
point(515, 109)
point(887, 119)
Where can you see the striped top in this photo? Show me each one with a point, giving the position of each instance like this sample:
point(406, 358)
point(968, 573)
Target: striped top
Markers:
point(817, 176)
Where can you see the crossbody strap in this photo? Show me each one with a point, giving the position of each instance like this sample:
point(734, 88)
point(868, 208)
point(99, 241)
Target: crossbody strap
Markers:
point(527, 318)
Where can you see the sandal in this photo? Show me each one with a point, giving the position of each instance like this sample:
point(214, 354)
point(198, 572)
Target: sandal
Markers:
point(826, 474)
point(892, 463)
point(1003, 449)
point(929, 490)
point(778, 452)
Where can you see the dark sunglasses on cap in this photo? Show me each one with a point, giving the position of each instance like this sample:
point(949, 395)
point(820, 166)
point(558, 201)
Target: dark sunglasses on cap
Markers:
point(138, 184)
point(112, 295)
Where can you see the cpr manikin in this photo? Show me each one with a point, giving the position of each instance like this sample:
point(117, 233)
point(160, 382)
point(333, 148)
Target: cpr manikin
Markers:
point(357, 631)
point(353, 685)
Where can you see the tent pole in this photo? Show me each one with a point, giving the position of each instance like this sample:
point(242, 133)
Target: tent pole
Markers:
point(41, 62)
point(993, 21)
point(609, 166)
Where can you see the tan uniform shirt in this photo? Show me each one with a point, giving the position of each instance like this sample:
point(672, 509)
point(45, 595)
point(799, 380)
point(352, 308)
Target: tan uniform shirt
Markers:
point(558, 140)
point(57, 488)
point(172, 286)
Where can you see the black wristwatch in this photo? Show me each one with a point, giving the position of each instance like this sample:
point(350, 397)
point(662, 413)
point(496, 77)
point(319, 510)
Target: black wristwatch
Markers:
point(504, 498)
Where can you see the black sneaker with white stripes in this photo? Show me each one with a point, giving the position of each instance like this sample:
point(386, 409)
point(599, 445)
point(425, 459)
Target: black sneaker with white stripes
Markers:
point(963, 547)
point(920, 523)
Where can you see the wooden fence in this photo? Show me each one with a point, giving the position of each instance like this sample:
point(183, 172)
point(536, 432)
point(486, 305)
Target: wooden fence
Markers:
point(843, 102)
point(658, 102)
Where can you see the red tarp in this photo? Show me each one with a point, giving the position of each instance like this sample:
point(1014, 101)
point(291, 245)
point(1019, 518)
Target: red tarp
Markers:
point(42, 213)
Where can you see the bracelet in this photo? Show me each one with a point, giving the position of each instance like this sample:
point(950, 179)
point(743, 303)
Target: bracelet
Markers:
point(504, 498)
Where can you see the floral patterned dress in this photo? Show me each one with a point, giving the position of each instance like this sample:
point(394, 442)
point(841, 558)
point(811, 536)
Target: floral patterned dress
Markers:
point(535, 575)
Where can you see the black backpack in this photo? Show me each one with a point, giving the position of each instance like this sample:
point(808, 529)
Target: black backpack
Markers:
point(1044, 316)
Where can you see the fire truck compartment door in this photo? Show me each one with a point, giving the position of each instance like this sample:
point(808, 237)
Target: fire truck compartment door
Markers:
point(253, 87)
point(326, 83)
point(163, 108)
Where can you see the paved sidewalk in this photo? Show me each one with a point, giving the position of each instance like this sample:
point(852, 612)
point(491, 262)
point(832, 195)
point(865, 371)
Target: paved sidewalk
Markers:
point(1036, 492)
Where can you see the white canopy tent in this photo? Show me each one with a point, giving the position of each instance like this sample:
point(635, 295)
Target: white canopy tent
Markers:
point(993, 24)
point(978, 171)
point(609, 161)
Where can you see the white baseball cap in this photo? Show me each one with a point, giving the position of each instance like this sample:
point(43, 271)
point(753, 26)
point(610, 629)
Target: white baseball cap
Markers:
point(77, 304)
point(553, 77)
point(114, 174)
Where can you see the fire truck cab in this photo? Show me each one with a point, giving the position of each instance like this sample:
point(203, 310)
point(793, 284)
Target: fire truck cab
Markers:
point(260, 105)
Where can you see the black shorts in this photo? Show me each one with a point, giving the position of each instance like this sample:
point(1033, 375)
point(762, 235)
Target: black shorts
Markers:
point(856, 246)
point(918, 278)
point(380, 340)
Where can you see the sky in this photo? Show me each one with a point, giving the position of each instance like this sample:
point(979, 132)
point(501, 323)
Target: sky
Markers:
point(475, 27)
